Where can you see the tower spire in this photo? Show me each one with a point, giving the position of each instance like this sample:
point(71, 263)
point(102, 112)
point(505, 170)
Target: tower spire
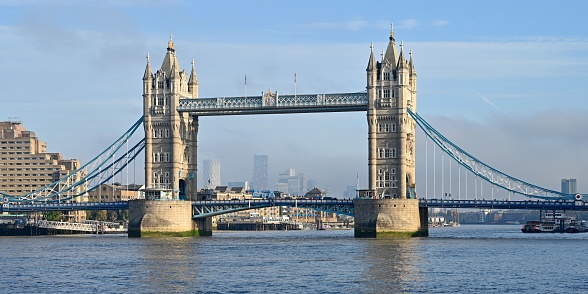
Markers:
point(372, 61)
point(170, 44)
point(392, 32)
point(391, 52)
point(147, 74)
point(193, 81)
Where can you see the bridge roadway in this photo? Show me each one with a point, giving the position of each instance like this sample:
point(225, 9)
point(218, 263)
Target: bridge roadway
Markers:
point(341, 206)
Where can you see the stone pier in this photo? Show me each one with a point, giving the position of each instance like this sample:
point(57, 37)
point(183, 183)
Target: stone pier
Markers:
point(153, 218)
point(390, 218)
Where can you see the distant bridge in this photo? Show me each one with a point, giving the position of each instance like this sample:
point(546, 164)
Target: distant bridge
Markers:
point(202, 209)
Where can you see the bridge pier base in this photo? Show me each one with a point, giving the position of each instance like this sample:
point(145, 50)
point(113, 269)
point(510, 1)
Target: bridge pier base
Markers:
point(390, 218)
point(158, 218)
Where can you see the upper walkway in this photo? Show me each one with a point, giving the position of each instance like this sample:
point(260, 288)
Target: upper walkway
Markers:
point(274, 103)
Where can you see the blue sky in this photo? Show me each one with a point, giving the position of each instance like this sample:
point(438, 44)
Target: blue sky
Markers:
point(505, 80)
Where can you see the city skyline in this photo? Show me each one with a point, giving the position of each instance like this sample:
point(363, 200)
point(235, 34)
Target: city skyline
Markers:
point(517, 80)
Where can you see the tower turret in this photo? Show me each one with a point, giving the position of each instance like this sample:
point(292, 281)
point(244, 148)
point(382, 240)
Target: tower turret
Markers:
point(390, 128)
point(372, 76)
point(193, 82)
point(170, 136)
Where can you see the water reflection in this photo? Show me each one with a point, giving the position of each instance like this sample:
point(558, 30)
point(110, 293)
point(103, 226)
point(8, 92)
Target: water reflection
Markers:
point(168, 264)
point(393, 265)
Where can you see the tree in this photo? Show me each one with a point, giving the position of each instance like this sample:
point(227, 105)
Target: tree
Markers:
point(99, 215)
point(54, 216)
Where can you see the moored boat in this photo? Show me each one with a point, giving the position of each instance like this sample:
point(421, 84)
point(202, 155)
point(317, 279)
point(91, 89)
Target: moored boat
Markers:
point(555, 223)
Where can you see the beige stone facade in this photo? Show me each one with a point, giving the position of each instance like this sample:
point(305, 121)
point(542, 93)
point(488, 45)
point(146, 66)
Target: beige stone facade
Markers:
point(26, 166)
point(391, 88)
point(170, 137)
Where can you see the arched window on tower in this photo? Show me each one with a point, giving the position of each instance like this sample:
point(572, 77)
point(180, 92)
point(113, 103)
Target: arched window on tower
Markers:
point(386, 179)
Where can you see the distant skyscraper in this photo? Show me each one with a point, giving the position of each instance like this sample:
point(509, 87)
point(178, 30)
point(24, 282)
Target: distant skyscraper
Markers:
point(568, 186)
point(211, 173)
point(260, 167)
point(350, 192)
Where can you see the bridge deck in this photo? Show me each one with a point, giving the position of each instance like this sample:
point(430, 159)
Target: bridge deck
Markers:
point(306, 103)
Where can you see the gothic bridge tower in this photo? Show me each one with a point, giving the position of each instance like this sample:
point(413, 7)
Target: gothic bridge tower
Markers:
point(170, 147)
point(170, 153)
point(390, 205)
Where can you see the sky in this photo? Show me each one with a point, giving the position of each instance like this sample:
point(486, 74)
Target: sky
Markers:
point(504, 80)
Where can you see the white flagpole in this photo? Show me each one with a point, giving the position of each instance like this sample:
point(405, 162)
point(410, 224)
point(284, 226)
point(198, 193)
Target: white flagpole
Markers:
point(245, 85)
point(294, 84)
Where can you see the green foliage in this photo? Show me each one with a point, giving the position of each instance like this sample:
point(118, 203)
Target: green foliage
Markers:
point(54, 215)
point(99, 215)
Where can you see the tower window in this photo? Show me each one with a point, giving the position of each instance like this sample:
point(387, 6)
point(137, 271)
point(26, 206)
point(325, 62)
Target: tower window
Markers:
point(386, 76)
point(386, 93)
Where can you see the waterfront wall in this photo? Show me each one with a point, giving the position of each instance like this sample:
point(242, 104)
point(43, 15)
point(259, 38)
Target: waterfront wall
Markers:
point(165, 218)
point(389, 218)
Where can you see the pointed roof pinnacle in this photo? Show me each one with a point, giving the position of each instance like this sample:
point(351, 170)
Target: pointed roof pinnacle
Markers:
point(193, 79)
point(391, 31)
point(372, 61)
point(147, 74)
point(170, 44)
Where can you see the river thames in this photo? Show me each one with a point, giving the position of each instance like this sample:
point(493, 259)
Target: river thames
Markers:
point(468, 259)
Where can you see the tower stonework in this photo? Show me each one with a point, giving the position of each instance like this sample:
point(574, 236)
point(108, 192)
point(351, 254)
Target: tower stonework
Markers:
point(390, 206)
point(170, 147)
point(170, 151)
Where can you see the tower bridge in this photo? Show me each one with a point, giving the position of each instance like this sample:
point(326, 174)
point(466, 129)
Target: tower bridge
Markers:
point(172, 107)
point(388, 207)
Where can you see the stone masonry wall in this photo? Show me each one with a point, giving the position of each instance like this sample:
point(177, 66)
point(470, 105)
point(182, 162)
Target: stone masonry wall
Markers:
point(388, 218)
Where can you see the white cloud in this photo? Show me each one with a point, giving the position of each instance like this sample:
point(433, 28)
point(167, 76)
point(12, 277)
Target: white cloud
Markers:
point(408, 24)
point(439, 23)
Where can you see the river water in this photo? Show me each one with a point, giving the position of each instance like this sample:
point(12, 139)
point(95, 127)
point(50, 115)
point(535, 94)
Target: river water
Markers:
point(468, 259)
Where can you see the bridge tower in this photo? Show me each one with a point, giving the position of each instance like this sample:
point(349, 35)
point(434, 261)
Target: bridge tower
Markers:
point(170, 151)
point(390, 206)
